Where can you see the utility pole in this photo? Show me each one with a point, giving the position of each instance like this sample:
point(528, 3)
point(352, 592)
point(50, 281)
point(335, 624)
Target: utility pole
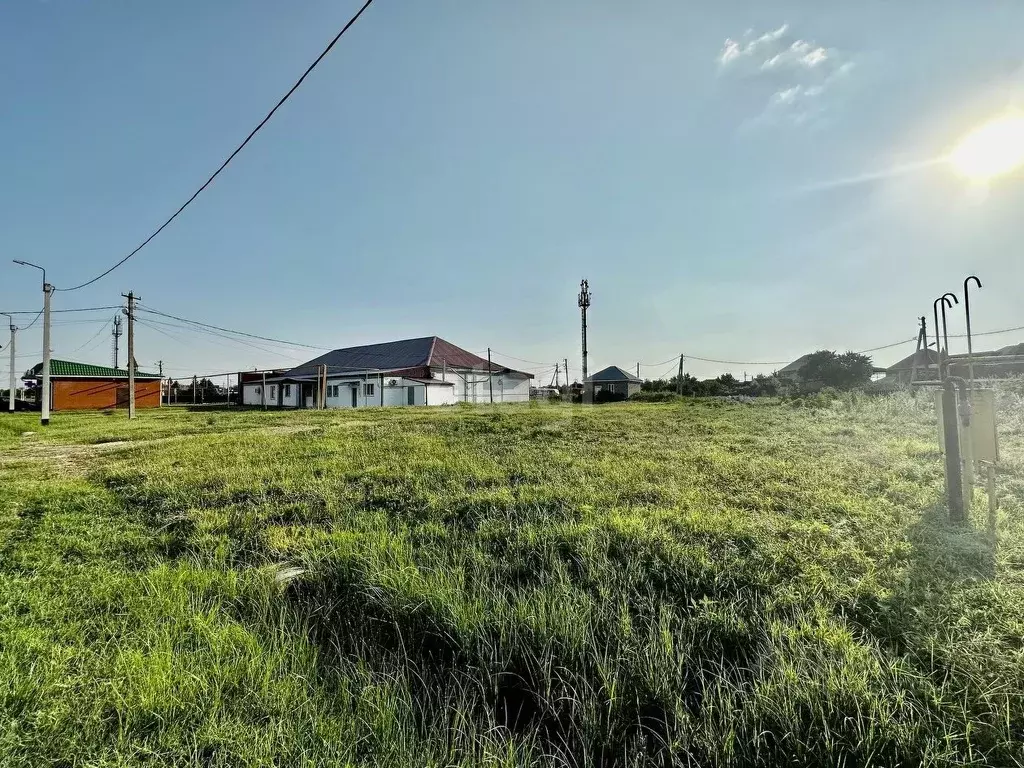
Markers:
point(195, 385)
point(116, 333)
point(584, 304)
point(132, 298)
point(44, 416)
point(679, 377)
point(263, 392)
point(160, 363)
point(490, 377)
point(14, 334)
point(568, 392)
point(638, 370)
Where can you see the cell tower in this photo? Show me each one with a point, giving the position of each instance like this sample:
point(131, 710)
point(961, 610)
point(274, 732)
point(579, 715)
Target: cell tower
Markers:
point(116, 332)
point(584, 303)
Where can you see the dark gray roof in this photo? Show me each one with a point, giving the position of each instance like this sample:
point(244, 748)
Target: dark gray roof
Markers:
point(612, 373)
point(924, 358)
point(797, 364)
point(428, 351)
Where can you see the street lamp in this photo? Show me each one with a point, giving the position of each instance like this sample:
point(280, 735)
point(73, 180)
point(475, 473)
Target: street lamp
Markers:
point(44, 417)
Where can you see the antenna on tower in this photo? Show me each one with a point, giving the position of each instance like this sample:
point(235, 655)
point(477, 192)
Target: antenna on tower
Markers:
point(116, 332)
point(584, 304)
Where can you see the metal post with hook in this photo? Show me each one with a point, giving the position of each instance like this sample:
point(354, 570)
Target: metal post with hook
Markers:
point(935, 311)
point(967, 311)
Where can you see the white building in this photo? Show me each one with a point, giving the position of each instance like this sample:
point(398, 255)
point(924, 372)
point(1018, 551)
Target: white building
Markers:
point(425, 371)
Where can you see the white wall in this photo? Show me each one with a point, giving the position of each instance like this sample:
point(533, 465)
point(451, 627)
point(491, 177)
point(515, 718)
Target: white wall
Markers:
point(440, 394)
point(472, 386)
point(251, 394)
point(290, 394)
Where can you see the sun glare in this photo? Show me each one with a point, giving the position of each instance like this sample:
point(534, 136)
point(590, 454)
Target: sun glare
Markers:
point(993, 149)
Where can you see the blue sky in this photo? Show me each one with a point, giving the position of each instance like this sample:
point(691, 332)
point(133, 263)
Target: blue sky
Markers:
point(455, 168)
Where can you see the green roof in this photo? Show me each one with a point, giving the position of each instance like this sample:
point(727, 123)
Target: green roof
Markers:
point(69, 369)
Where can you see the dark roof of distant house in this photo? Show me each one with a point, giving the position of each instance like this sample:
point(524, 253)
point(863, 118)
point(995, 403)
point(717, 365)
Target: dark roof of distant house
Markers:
point(922, 356)
point(1013, 349)
point(69, 369)
point(610, 374)
point(797, 364)
point(428, 351)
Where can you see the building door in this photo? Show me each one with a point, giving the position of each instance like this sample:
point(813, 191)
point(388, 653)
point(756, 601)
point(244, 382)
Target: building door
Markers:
point(353, 396)
point(121, 396)
point(411, 395)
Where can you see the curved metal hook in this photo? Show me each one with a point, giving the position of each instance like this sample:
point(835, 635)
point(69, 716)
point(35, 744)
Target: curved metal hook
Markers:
point(955, 299)
point(967, 312)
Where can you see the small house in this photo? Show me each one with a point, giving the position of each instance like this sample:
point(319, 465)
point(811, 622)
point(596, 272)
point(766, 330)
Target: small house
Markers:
point(422, 371)
point(792, 371)
point(82, 386)
point(612, 383)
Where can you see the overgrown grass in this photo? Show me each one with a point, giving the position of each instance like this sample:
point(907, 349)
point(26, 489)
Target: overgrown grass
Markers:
point(675, 584)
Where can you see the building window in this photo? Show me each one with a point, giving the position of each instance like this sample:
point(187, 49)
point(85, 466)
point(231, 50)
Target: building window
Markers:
point(273, 391)
point(259, 390)
point(368, 389)
point(287, 390)
point(332, 390)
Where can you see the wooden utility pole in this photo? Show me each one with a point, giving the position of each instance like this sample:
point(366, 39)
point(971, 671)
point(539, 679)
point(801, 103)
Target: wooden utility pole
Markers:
point(490, 377)
point(584, 304)
point(132, 298)
point(922, 339)
point(679, 377)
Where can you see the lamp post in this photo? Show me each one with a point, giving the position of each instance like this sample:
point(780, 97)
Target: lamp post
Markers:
point(44, 416)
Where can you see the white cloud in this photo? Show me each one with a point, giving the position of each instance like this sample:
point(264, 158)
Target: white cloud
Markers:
point(787, 95)
point(733, 50)
point(730, 52)
point(795, 71)
point(815, 57)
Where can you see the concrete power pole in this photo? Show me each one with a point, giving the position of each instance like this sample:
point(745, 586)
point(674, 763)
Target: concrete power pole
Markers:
point(160, 363)
point(44, 416)
point(565, 367)
point(584, 304)
point(132, 298)
point(14, 335)
point(679, 377)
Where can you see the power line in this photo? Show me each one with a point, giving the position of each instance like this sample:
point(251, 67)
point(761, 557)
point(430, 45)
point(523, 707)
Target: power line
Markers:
point(102, 329)
point(521, 360)
point(34, 321)
point(57, 311)
point(152, 324)
point(237, 333)
point(231, 157)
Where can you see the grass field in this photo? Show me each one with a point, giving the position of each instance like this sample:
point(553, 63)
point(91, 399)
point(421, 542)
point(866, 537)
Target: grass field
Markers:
point(688, 583)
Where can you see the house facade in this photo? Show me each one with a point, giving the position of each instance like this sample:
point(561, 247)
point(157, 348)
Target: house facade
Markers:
point(81, 386)
point(252, 388)
point(410, 372)
point(613, 382)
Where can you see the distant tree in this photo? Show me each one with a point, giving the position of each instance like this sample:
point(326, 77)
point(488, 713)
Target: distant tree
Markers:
point(825, 368)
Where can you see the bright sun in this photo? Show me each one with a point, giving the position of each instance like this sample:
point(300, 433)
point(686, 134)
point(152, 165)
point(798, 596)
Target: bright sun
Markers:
point(993, 149)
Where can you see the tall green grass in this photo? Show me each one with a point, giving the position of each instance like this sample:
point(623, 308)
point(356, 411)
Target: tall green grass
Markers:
point(677, 584)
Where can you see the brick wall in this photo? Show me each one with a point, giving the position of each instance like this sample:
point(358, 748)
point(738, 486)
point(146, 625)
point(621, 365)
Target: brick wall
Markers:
point(96, 394)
